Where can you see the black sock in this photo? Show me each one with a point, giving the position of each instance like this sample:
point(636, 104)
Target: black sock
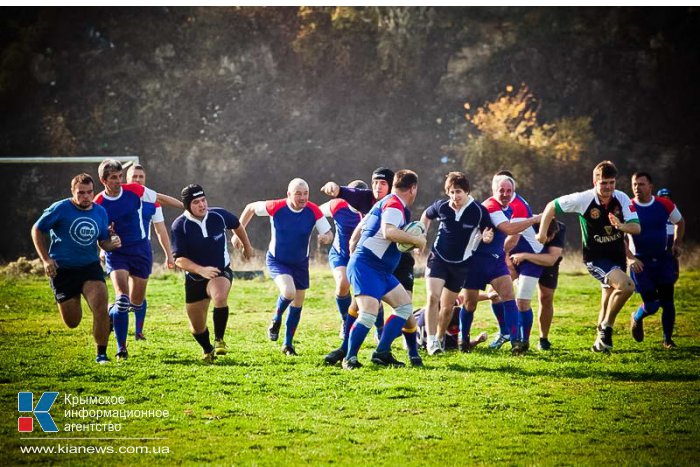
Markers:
point(101, 350)
point(220, 320)
point(204, 341)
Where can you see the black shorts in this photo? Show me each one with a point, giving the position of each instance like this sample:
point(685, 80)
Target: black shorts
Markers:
point(550, 277)
point(69, 282)
point(404, 271)
point(196, 285)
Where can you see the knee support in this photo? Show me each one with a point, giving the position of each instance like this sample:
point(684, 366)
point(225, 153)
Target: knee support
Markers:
point(526, 287)
point(404, 311)
point(366, 319)
point(122, 303)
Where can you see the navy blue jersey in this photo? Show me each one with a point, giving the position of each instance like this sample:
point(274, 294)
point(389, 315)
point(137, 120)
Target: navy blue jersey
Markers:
point(74, 232)
point(459, 231)
point(204, 242)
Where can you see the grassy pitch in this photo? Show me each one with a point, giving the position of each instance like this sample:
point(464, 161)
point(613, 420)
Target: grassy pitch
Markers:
point(255, 406)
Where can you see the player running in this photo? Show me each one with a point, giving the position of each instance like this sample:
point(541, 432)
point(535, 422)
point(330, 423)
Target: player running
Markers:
point(652, 267)
point(292, 220)
point(200, 248)
point(606, 215)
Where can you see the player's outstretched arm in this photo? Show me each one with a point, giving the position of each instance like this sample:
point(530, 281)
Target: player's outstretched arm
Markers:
point(547, 216)
point(331, 189)
point(169, 201)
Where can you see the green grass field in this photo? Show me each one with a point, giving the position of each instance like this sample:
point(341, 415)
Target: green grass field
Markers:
point(255, 406)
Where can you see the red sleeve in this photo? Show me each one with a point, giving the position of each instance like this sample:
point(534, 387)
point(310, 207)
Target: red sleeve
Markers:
point(667, 204)
point(98, 199)
point(394, 202)
point(275, 205)
point(314, 208)
point(337, 204)
point(134, 188)
point(157, 204)
point(520, 211)
point(492, 205)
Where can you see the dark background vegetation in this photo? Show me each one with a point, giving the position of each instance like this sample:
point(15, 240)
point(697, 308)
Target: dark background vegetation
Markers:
point(242, 100)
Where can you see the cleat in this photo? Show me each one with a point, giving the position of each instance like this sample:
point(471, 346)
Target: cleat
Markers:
point(273, 332)
point(544, 344)
point(351, 363)
point(102, 359)
point(289, 350)
point(386, 359)
point(465, 347)
point(435, 348)
point(220, 347)
point(334, 357)
point(603, 341)
point(669, 344)
point(122, 355)
point(636, 328)
point(139, 336)
point(499, 341)
point(209, 357)
point(416, 361)
point(519, 348)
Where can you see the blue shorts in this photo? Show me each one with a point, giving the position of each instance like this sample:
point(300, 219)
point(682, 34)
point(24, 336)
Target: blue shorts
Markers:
point(136, 258)
point(657, 271)
point(298, 271)
point(335, 259)
point(366, 280)
point(526, 268)
point(452, 273)
point(482, 269)
point(600, 269)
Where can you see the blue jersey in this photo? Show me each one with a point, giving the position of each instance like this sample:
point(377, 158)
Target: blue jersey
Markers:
point(459, 231)
point(375, 250)
point(652, 242)
point(204, 242)
point(74, 232)
point(291, 230)
point(345, 219)
point(126, 211)
point(498, 215)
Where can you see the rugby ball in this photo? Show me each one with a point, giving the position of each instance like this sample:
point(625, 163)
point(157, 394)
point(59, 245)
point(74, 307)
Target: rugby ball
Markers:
point(414, 228)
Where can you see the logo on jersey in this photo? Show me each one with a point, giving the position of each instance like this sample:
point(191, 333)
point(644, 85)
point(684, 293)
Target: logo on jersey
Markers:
point(608, 229)
point(83, 231)
point(595, 213)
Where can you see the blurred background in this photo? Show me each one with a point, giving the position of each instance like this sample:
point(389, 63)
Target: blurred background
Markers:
point(243, 99)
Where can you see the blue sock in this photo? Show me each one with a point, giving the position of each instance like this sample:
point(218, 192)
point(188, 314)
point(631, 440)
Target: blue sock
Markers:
point(379, 324)
point(358, 333)
point(291, 325)
point(120, 318)
point(525, 324)
point(511, 319)
point(282, 304)
point(139, 316)
point(343, 304)
point(646, 309)
point(668, 319)
point(392, 330)
point(466, 318)
point(499, 311)
point(411, 338)
point(349, 321)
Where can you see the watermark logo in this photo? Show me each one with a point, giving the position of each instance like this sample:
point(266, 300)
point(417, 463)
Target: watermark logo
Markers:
point(25, 403)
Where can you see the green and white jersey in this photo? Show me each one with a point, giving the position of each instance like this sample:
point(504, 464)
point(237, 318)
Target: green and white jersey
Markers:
point(600, 239)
